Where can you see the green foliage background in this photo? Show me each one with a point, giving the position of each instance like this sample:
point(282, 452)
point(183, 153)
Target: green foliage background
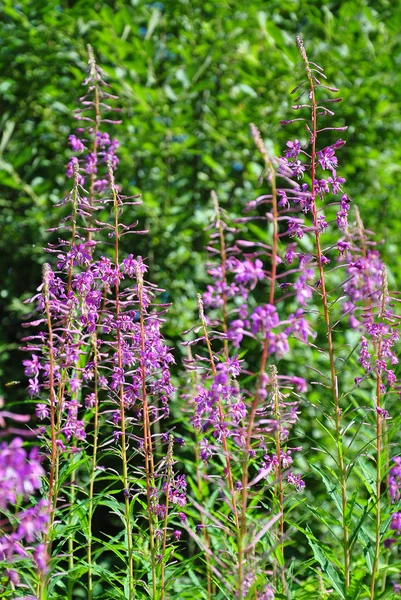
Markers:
point(191, 76)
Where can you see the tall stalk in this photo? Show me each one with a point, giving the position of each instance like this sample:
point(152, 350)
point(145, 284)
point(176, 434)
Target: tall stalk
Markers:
point(94, 464)
point(169, 464)
point(223, 256)
point(94, 76)
point(379, 436)
point(64, 378)
point(333, 375)
point(221, 413)
point(117, 207)
point(52, 397)
point(206, 537)
point(97, 114)
point(262, 369)
point(278, 488)
point(147, 436)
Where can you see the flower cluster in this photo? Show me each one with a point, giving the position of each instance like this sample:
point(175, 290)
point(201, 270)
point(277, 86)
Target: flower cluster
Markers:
point(94, 147)
point(208, 402)
point(100, 371)
point(23, 529)
point(99, 358)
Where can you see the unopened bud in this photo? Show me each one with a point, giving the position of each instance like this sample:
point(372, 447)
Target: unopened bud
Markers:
point(200, 308)
point(302, 52)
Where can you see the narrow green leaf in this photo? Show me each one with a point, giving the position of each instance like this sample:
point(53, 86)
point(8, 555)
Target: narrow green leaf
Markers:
point(328, 570)
point(331, 487)
point(368, 550)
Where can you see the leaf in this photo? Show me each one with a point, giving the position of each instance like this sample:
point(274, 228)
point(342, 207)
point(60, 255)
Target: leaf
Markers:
point(356, 586)
point(325, 517)
point(327, 568)
point(355, 532)
point(330, 487)
point(368, 478)
point(350, 507)
point(368, 550)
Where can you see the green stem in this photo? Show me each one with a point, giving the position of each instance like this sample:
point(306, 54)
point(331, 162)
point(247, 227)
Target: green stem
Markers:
point(71, 578)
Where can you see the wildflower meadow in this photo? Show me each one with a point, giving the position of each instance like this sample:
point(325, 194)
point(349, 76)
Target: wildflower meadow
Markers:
point(254, 454)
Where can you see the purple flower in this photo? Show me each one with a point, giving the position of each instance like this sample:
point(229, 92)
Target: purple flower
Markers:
point(321, 223)
point(296, 481)
point(34, 387)
point(364, 356)
point(177, 491)
point(299, 383)
point(32, 367)
point(76, 144)
point(205, 450)
point(20, 473)
point(336, 183)
point(267, 594)
point(327, 158)
point(247, 272)
point(91, 163)
point(41, 557)
point(237, 411)
point(42, 411)
point(131, 266)
point(396, 522)
point(395, 480)
point(101, 185)
point(294, 149)
point(290, 253)
point(70, 167)
point(298, 169)
point(236, 332)
point(299, 327)
point(264, 318)
point(343, 247)
point(283, 202)
point(103, 139)
point(295, 229)
point(33, 521)
point(321, 187)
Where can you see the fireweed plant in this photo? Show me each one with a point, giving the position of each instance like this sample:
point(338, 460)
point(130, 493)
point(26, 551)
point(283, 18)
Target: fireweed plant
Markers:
point(99, 369)
point(290, 479)
point(313, 278)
